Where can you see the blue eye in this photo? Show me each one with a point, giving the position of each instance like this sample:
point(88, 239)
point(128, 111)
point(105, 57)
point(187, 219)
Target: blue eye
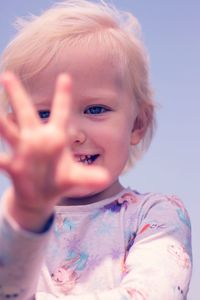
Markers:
point(44, 114)
point(96, 110)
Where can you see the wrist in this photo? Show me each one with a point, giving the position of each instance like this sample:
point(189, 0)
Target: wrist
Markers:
point(31, 219)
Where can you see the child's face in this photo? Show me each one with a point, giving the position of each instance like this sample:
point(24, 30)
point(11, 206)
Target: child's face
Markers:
point(102, 113)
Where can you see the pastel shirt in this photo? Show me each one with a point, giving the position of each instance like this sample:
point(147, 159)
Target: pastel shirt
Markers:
point(129, 247)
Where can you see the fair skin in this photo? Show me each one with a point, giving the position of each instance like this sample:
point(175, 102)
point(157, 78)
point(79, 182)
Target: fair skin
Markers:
point(76, 156)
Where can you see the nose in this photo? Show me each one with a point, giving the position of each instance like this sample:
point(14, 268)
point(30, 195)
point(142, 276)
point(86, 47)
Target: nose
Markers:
point(78, 136)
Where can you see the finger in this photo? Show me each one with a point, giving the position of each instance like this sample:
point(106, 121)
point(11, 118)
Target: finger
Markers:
point(89, 176)
point(76, 174)
point(5, 162)
point(8, 130)
point(62, 101)
point(24, 110)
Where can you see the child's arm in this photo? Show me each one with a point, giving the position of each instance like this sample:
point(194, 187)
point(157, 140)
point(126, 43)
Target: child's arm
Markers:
point(42, 170)
point(41, 165)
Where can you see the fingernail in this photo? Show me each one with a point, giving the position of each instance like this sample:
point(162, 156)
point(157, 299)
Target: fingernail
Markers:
point(65, 80)
point(6, 76)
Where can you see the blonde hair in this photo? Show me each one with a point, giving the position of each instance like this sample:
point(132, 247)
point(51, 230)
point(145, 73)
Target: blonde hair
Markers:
point(40, 38)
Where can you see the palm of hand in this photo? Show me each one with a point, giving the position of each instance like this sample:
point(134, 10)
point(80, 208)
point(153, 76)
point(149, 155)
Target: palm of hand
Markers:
point(41, 166)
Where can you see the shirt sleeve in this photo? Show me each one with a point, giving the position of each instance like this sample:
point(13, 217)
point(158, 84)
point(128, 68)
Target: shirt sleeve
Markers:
point(159, 262)
point(21, 258)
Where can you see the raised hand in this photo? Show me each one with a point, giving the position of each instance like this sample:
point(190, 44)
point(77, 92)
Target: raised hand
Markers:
point(40, 165)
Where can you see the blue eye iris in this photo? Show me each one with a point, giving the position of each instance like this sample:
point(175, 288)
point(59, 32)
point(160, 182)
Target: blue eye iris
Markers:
point(44, 114)
point(95, 110)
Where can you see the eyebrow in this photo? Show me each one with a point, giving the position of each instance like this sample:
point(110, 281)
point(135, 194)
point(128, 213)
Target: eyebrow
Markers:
point(42, 102)
point(96, 96)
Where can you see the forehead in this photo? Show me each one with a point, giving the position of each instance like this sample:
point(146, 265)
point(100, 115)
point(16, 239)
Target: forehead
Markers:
point(89, 66)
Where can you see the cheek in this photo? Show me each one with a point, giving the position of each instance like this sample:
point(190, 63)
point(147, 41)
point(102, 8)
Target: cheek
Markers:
point(117, 141)
point(119, 135)
point(111, 136)
point(107, 134)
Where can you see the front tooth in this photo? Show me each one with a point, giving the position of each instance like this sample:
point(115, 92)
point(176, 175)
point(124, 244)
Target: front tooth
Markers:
point(82, 157)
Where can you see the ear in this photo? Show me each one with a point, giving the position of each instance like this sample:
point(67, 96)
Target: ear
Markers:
point(141, 124)
point(138, 131)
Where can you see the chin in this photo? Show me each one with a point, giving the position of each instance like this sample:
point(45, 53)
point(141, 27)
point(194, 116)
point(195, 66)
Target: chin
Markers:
point(81, 197)
point(83, 193)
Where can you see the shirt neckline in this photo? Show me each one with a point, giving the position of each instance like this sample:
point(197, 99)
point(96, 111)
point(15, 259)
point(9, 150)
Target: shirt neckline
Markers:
point(91, 206)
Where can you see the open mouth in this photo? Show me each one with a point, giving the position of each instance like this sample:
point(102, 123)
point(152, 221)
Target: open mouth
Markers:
point(87, 159)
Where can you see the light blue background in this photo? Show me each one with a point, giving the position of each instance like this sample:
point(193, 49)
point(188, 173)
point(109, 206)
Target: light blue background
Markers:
point(171, 32)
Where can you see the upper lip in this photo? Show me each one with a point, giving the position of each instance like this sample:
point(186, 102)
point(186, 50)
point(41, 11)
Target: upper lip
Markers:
point(85, 154)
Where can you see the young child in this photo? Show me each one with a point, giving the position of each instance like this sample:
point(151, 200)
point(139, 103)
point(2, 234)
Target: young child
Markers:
point(80, 112)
